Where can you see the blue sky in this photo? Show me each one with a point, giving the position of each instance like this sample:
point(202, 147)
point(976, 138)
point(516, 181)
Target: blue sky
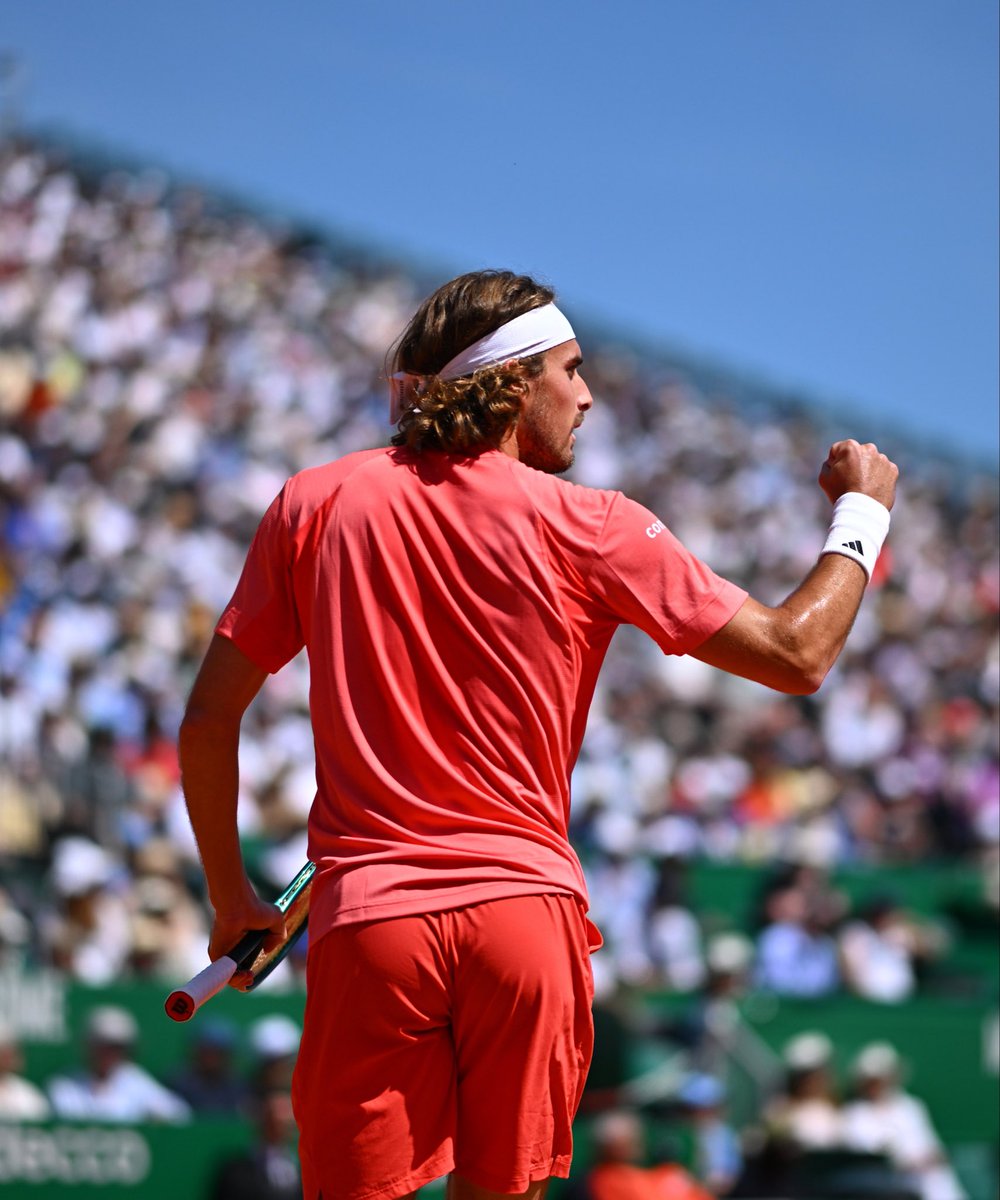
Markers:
point(805, 191)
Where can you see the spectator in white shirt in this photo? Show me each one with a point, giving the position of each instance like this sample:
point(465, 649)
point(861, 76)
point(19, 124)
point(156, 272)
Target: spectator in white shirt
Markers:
point(112, 1087)
point(882, 1118)
point(880, 952)
point(19, 1099)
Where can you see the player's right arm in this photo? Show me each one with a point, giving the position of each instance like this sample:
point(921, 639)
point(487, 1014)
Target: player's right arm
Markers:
point(208, 745)
point(792, 646)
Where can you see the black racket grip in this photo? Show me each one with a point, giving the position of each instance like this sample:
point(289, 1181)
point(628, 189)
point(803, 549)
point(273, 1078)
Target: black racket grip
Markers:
point(247, 948)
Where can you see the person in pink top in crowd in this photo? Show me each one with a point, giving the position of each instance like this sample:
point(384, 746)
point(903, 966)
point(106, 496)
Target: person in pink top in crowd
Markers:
point(456, 599)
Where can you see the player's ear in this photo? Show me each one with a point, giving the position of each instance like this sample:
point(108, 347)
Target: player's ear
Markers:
point(519, 386)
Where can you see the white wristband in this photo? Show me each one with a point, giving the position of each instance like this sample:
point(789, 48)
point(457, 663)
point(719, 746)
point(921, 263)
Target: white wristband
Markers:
point(858, 529)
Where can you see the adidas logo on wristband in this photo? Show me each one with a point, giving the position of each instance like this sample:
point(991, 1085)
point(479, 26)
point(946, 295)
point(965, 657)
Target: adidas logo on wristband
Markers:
point(858, 529)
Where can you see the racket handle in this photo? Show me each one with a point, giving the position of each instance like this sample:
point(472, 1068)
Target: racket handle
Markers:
point(182, 1004)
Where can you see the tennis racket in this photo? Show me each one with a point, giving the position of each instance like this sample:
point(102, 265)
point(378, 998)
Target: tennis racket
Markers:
point(248, 954)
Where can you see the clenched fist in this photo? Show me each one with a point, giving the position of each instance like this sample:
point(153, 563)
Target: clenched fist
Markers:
point(851, 467)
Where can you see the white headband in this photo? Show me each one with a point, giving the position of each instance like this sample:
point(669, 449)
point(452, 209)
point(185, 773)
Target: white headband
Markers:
point(532, 332)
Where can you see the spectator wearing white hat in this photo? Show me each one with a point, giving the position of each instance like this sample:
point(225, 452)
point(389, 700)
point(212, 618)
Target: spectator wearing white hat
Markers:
point(274, 1040)
point(20, 1100)
point(807, 1116)
point(112, 1087)
point(883, 1118)
point(89, 936)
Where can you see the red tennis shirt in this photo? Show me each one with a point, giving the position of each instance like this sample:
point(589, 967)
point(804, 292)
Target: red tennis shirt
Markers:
point(456, 613)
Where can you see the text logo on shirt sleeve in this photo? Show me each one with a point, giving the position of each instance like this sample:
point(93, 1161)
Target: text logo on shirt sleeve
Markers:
point(654, 529)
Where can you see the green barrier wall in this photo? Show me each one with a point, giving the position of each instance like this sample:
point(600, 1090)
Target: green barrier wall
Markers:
point(728, 890)
point(45, 1162)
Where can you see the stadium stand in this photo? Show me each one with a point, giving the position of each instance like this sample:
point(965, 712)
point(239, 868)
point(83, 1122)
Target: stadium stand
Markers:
point(167, 358)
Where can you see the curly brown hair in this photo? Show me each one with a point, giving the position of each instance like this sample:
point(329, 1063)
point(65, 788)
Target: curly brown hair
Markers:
point(465, 416)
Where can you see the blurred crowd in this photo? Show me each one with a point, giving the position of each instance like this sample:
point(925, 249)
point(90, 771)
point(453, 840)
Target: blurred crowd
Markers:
point(110, 1086)
point(864, 1137)
point(167, 359)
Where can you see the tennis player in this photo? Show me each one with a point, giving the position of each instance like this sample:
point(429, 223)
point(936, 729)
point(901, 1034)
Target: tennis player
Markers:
point(456, 599)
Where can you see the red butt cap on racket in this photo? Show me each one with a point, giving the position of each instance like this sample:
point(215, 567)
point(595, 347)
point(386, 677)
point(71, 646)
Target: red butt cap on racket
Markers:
point(182, 1004)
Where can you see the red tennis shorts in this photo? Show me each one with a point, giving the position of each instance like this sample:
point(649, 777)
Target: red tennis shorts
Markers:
point(450, 1041)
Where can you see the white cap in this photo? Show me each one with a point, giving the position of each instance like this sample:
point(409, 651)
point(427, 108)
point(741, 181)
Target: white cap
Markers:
point(78, 866)
point(275, 1036)
point(808, 1052)
point(112, 1025)
point(729, 953)
point(878, 1060)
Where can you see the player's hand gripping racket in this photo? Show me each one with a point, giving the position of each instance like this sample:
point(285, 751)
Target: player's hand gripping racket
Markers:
point(247, 955)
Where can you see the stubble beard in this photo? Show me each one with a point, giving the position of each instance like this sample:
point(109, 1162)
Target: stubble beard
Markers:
point(547, 462)
point(539, 448)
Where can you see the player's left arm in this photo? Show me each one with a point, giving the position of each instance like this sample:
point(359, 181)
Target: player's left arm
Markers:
point(209, 754)
point(792, 646)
